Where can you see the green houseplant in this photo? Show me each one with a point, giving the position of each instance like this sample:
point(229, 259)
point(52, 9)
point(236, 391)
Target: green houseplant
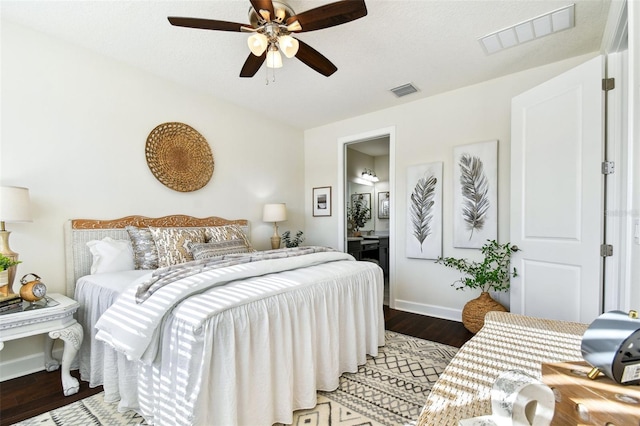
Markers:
point(357, 215)
point(491, 274)
point(292, 241)
point(5, 264)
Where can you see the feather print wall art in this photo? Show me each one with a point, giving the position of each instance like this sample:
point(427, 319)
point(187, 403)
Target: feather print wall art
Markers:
point(424, 211)
point(474, 186)
point(475, 194)
point(421, 207)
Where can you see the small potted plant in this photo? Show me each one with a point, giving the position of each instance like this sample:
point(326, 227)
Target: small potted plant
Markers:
point(292, 242)
point(5, 264)
point(358, 215)
point(492, 274)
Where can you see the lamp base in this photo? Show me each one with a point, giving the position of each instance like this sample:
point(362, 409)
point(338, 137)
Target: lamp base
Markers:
point(275, 242)
point(7, 252)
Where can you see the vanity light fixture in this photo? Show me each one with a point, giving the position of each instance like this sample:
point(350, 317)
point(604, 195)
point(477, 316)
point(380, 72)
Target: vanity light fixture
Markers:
point(370, 175)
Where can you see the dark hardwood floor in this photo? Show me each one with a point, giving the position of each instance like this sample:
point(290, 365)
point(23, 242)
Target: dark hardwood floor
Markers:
point(28, 396)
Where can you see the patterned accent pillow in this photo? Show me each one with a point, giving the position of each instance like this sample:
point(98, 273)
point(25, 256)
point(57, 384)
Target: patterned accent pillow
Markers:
point(217, 248)
point(226, 232)
point(172, 244)
point(145, 254)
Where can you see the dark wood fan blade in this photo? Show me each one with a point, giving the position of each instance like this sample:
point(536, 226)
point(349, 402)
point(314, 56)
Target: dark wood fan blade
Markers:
point(315, 59)
point(252, 65)
point(207, 24)
point(263, 4)
point(330, 15)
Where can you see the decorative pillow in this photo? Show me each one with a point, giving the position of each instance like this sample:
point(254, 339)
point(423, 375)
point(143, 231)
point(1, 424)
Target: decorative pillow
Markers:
point(172, 244)
point(145, 254)
point(217, 248)
point(111, 255)
point(226, 232)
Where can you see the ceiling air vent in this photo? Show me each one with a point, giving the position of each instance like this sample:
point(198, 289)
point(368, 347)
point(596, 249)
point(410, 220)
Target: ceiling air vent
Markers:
point(404, 90)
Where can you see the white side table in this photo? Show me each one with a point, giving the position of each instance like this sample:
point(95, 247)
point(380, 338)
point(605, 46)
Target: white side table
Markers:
point(54, 318)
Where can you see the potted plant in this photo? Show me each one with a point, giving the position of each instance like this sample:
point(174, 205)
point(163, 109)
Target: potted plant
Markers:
point(5, 264)
point(357, 215)
point(292, 242)
point(492, 274)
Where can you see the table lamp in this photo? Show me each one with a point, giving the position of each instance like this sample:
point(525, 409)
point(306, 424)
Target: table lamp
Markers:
point(15, 206)
point(275, 213)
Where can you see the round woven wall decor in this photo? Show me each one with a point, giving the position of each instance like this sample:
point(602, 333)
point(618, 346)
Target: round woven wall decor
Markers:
point(179, 157)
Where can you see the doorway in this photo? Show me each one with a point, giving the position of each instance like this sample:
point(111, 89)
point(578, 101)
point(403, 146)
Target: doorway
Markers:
point(367, 176)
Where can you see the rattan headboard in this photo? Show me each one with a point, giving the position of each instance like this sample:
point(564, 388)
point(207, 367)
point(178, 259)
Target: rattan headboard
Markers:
point(77, 232)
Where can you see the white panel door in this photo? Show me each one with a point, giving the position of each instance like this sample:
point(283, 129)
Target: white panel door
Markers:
point(556, 196)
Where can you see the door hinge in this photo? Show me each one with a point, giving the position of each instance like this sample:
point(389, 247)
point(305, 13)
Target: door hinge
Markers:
point(606, 250)
point(608, 167)
point(608, 84)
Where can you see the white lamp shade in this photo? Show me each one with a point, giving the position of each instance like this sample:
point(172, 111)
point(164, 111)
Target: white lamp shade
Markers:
point(289, 46)
point(258, 44)
point(274, 59)
point(15, 205)
point(274, 212)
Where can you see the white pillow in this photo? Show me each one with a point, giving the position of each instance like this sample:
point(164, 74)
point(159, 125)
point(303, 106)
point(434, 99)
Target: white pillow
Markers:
point(111, 255)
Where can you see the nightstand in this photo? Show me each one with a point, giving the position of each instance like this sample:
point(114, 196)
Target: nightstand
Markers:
point(53, 316)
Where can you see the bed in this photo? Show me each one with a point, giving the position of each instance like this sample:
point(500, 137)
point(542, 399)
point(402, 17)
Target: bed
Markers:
point(246, 340)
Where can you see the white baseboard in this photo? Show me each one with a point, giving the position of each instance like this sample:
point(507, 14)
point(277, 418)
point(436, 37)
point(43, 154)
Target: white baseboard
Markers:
point(29, 364)
point(430, 310)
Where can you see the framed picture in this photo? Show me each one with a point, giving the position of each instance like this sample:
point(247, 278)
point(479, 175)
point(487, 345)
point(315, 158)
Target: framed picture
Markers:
point(365, 198)
point(322, 201)
point(424, 211)
point(475, 195)
point(383, 205)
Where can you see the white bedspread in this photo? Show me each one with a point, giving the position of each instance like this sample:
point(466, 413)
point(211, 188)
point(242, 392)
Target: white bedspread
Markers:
point(101, 365)
point(133, 328)
point(252, 351)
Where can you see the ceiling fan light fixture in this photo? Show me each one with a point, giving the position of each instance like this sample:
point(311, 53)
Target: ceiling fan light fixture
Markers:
point(269, 20)
point(274, 59)
point(280, 14)
point(266, 15)
point(258, 43)
point(288, 45)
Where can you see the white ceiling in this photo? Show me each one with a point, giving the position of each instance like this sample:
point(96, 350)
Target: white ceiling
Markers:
point(430, 43)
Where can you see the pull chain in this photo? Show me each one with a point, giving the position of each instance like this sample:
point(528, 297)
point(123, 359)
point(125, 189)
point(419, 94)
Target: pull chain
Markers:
point(273, 72)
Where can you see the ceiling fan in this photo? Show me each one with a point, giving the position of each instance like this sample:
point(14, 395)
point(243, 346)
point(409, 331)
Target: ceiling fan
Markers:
point(273, 22)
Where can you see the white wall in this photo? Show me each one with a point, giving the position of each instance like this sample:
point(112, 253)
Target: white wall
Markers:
point(74, 127)
point(426, 131)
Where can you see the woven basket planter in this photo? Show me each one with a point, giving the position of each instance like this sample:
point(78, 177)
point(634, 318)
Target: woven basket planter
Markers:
point(474, 311)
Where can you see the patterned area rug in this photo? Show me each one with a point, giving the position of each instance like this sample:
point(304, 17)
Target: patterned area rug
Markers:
point(389, 389)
